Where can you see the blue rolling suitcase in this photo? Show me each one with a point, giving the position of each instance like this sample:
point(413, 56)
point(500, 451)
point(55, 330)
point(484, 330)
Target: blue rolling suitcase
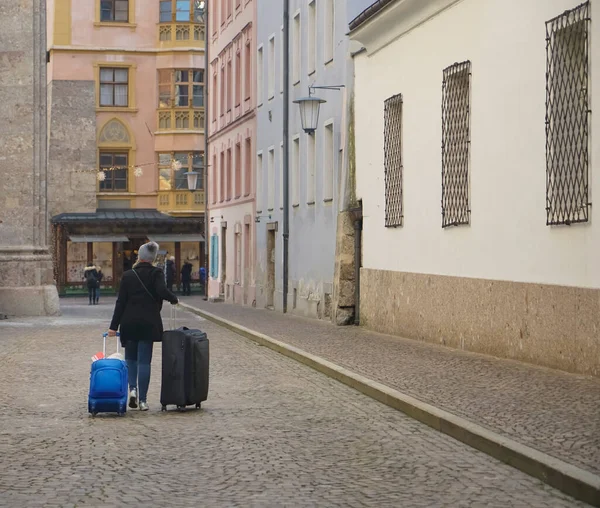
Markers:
point(108, 385)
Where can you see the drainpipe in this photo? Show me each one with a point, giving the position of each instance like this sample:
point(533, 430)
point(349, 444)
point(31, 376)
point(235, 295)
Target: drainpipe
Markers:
point(357, 216)
point(286, 145)
point(206, 158)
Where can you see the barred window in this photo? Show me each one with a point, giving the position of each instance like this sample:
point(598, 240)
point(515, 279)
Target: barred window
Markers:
point(456, 139)
point(567, 117)
point(393, 161)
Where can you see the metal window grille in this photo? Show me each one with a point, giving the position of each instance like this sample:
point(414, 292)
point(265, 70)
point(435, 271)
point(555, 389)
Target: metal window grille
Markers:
point(455, 144)
point(567, 117)
point(393, 168)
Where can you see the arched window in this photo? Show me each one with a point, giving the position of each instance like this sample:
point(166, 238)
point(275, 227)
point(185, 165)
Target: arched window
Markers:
point(115, 147)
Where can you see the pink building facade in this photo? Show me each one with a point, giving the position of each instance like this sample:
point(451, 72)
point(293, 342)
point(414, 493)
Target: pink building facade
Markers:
point(232, 135)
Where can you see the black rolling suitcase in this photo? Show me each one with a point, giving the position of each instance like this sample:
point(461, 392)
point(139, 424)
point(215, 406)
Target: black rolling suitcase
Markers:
point(185, 364)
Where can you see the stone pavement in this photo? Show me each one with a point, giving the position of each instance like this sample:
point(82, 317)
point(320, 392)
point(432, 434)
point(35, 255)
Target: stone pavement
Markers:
point(273, 433)
point(551, 411)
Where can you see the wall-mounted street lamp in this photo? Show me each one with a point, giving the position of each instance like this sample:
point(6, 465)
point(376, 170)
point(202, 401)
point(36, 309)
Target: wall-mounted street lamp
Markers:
point(258, 217)
point(310, 106)
point(192, 180)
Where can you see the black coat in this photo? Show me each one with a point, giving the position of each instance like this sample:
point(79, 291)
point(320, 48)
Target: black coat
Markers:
point(91, 282)
point(186, 272)
point(136, 312)
point(170, 272)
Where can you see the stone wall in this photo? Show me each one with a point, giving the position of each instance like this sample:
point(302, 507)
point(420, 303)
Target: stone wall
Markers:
point(553, 326)
point(26, 278)
point(343, 292)
point(71, 147)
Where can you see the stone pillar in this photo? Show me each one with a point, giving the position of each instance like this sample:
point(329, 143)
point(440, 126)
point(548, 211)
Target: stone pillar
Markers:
point(26, 275)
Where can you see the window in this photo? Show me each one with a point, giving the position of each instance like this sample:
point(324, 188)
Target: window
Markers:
point(281, 175)
point(310, 169)
point(181, 10)
point(181, 88)
point(229, 82)
point(222, 178)
point(238, 81)
point(214, 96)
point(328, 161)
point(392, 149)
point(248, 168)
point(214, 174)
point(567, 117)
point(259, 76)
point(115, 168)
point(328, 32)
point(114, 87)
point(114, 10)
point(455, 144)
point(248, 77)
point(296, 50)
point(271, 69)
point(171, 178)
point(259, 182)
point(296, 171)
point(238, 170)
point(223, 90)
point(281, 62)
point(311, 43)
point(271, 179)
point(229, 175)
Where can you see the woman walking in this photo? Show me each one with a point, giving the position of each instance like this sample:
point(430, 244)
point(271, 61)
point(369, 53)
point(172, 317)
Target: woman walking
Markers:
point(137, 312)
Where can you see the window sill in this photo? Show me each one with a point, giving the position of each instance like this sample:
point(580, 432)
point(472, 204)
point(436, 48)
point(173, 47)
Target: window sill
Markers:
point(296, 82)
point(178, 131)
point(297, 205)
point(259, 104)
point(271, 97)
point(327, 62)
point(310, 203)
point(115, 24)
point(310, 73)
point(328, 200)
point(115, 109)
point(269, 209)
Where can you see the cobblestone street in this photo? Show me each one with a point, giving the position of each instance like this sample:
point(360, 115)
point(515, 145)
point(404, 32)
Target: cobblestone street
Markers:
point(273, 433)
point(551, 411)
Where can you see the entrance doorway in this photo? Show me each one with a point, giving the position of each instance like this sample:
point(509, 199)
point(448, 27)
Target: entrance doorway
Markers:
point(129, 252)
point(270, 269)
point(223, 261)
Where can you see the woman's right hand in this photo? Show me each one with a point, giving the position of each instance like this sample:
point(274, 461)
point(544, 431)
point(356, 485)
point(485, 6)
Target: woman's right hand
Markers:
point(175, 302)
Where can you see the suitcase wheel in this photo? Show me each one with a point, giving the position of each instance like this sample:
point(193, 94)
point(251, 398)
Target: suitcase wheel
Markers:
point(199, 405)
point(180, 408)
point(94, 413)
point(164, 408)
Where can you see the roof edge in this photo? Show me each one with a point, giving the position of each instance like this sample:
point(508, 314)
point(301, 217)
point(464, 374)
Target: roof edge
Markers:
point(369, 12)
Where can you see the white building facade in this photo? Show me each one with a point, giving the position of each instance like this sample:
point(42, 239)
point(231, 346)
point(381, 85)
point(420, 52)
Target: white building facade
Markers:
point(318, 56)
point(476, 166)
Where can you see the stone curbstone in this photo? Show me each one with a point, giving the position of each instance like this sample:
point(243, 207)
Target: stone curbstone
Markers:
point(565, 477)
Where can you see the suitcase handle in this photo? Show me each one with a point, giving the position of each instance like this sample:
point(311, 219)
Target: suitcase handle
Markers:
point(104, 335)
point(173, 317)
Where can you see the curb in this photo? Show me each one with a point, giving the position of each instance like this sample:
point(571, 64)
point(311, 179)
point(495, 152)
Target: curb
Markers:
point(565, 477)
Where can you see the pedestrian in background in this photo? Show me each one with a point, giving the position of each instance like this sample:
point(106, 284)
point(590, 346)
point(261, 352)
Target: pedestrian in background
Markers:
point(170, 269)
point(137, 313)
point(99, 276)
point(90, 276)
point(186, 278)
